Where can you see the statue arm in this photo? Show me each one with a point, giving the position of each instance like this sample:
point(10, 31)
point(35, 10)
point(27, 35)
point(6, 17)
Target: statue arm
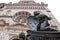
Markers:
point(49, 18)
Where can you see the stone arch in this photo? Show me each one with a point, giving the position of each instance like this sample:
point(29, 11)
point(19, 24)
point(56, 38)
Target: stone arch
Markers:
point(21, 16)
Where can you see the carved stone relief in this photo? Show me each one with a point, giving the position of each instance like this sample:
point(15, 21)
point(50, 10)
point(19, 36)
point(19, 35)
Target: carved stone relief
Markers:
point(21, 17)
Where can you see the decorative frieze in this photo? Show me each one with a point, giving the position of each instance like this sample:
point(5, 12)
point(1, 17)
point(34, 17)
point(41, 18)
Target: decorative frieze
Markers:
point(26, 5)
point(22, 7)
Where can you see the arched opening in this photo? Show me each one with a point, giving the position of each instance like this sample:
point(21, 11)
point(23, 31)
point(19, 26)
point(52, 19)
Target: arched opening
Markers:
point(21, 17)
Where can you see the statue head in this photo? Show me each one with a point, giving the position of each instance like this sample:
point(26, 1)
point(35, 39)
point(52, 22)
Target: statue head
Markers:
point(36, 13)
point(22, 35)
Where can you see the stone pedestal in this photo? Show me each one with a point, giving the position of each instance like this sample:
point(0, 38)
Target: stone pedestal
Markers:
point(44, 35)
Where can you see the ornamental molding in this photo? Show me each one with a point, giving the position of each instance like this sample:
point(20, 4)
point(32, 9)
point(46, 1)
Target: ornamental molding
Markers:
point(22, 7)
point(18, 27)
point(5, 16)
point(26, 5)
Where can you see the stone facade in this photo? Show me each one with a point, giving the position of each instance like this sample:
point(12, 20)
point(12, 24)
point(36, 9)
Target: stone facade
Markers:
point(13, 18)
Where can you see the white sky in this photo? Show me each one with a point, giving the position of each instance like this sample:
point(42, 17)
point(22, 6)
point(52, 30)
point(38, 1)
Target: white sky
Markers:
point(53, 5)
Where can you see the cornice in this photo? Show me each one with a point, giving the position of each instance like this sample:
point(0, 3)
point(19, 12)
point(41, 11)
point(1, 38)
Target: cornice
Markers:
point(6, 16)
